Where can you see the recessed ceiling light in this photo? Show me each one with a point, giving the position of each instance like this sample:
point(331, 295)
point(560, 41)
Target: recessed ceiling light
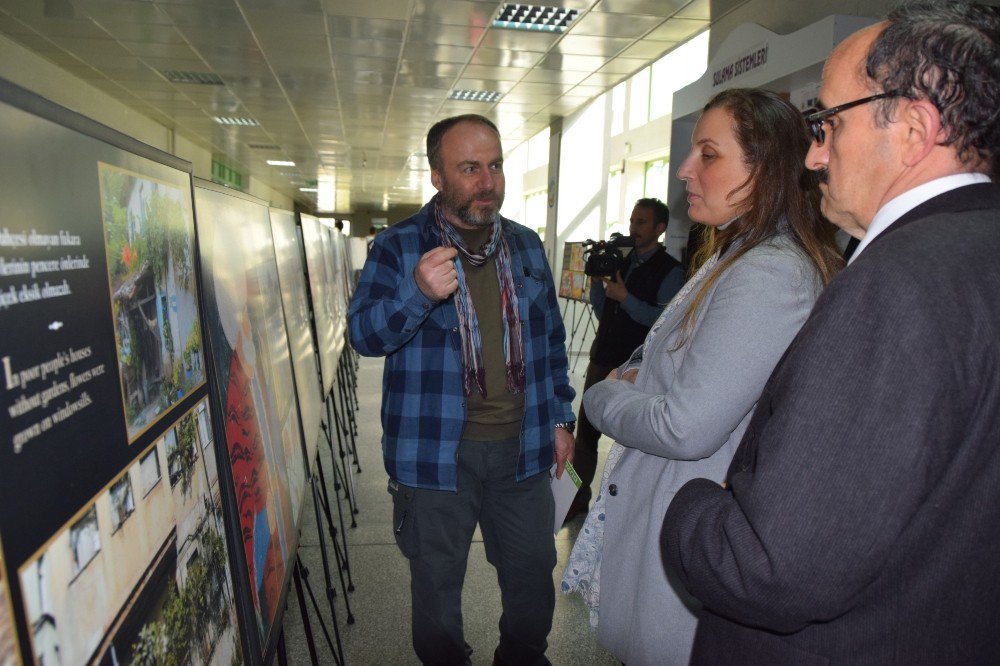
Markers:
point(280, 163)
point(199, 78)
point(308, 189)
point(233, 120)
point(488, 96)
point(534, 17)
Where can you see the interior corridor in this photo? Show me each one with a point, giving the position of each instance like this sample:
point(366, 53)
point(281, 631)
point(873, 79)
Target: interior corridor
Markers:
point(380, 602)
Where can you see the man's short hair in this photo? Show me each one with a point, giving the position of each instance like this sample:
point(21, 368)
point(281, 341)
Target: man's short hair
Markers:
point(946, 53)
point(437, 132)
point(661, 214)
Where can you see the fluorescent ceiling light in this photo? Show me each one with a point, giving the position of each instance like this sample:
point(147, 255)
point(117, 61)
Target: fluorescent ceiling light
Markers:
point(280, 163)
point(231, 120)
point(534, 17)
point(308, 189)
point(488, 96)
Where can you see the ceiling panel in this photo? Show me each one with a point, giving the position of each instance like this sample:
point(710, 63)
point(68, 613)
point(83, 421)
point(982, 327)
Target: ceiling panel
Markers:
point(351, 84)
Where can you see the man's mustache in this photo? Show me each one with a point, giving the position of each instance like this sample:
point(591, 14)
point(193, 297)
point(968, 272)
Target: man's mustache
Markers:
point(823, 176)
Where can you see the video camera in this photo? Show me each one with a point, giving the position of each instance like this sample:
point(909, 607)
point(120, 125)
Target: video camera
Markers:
point(605, 258)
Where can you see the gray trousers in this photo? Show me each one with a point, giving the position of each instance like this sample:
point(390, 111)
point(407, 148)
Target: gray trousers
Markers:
point(434, 530)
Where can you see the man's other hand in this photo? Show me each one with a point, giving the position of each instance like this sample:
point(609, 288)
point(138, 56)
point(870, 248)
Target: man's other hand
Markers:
point(565, 446)
point(616, 290)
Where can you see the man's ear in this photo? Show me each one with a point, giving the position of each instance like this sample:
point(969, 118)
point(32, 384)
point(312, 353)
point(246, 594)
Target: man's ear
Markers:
point(922, 123)
point(436, 179)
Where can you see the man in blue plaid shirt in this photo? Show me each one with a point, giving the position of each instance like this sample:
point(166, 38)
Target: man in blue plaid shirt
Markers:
point(476, 401)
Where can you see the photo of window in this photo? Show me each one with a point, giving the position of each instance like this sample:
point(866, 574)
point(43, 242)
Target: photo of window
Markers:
point(122, 502)
point(149, 236)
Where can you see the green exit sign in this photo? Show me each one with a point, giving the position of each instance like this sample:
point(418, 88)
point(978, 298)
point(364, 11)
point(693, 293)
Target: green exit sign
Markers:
point(226, 175)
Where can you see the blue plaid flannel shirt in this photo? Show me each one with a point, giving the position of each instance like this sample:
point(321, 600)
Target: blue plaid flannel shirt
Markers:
point(423, 402)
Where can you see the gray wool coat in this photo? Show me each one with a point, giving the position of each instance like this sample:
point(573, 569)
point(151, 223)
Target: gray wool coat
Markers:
point(682, 419)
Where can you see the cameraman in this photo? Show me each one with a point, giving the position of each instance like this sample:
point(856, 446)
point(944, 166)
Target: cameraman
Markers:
point(626, 307)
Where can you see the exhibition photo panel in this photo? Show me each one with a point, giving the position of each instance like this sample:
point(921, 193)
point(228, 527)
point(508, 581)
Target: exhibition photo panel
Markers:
point(107, 462)
point(295, 299)
point(324, 310)
point(251, 365)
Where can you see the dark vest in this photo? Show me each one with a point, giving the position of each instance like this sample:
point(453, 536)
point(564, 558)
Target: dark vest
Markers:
point(618, 334)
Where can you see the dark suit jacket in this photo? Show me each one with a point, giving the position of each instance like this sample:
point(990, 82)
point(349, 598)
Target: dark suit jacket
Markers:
point(862, 524)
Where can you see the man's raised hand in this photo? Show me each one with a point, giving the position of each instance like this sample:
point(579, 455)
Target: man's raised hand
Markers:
point(436, 274)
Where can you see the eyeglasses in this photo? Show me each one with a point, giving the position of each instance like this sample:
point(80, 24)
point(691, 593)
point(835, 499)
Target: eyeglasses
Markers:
point(816, 117)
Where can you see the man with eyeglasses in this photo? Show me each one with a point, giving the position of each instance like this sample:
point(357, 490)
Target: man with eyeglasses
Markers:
point(860, 520)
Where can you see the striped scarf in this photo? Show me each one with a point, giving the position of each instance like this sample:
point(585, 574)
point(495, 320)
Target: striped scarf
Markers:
point(474, 375)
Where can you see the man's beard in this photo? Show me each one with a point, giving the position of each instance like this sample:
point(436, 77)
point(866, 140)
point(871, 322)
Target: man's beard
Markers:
point(462, 209)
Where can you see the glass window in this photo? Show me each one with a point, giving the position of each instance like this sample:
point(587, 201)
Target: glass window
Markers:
point(536, 212)
point(149, 471)
point(538, 150)
point(656, 175)
point(122, 502)
point(84, 540)
point(638, 108)
point(618, 109)
point(677, 69)
point(614, 203)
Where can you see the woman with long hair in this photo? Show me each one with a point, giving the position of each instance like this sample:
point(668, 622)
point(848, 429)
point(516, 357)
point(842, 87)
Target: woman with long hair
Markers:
point(679, 407)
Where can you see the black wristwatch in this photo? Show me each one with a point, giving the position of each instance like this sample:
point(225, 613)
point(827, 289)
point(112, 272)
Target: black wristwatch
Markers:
point(569, 426)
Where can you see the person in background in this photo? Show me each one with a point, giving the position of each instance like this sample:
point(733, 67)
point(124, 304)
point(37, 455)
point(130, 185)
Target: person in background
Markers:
point(861, 515)
point(370, 238)
point(626, 307)
point(680, 405)
point(476, 400)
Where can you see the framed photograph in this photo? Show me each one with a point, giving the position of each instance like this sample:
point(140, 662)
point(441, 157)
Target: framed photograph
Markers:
point(326, 317)
point(574, 284)
point(139, 577)
point(252, 370)
point(288, 252)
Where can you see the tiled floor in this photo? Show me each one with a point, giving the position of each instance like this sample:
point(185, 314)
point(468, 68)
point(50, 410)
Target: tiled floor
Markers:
point(381, 601)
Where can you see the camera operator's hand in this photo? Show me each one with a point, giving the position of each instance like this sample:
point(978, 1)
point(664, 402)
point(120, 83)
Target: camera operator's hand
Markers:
point(436, 274)
point(615, 289)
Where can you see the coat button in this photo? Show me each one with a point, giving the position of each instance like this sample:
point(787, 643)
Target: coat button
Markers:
point(613, 490)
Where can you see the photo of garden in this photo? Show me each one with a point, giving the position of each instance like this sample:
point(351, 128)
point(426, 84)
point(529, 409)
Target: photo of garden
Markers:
point(149, 237)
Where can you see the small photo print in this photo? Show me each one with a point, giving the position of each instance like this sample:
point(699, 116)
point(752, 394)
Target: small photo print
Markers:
point(149, 238)
point(141, 574)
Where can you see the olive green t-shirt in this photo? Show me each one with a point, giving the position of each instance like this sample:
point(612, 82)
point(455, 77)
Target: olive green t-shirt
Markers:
point(498, 415)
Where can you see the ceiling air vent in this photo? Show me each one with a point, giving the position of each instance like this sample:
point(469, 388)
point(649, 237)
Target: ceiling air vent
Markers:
point(198, 78)
point(264, 146)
